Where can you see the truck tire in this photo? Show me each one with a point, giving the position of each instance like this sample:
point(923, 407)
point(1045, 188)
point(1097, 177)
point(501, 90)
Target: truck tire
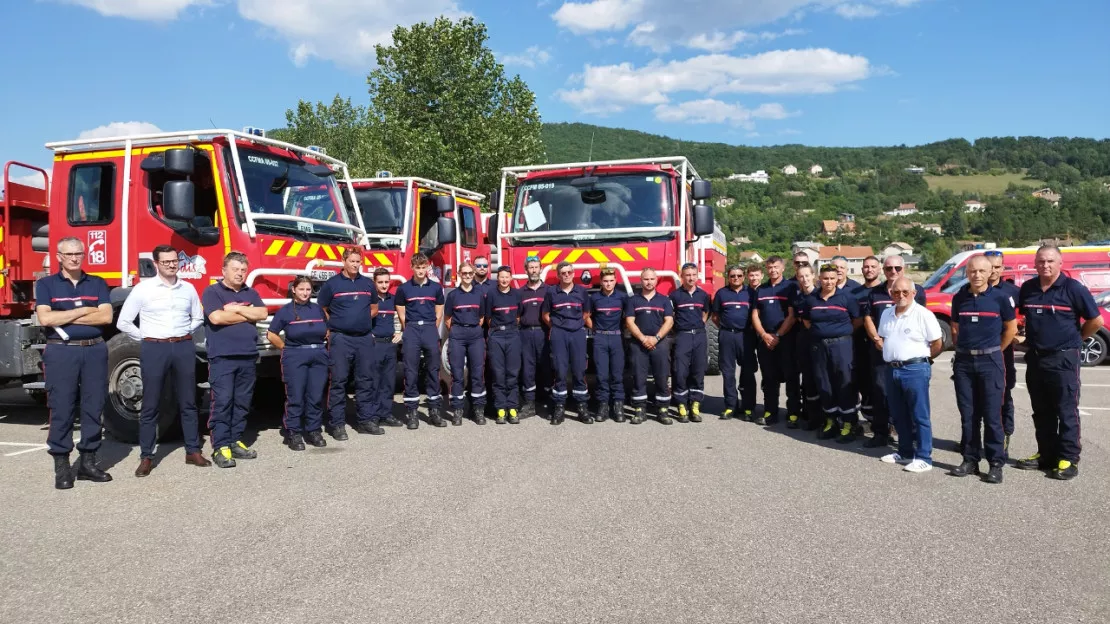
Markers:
point(125, 394)
point(712, 338)
point(1093, 352)
point(945, 332)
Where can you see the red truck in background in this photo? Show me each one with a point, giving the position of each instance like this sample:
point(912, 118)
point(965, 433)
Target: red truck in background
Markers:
point(624, 214)
point(205, 192)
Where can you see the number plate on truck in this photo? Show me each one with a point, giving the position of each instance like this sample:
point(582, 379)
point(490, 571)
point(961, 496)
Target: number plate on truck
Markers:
point(321, 275)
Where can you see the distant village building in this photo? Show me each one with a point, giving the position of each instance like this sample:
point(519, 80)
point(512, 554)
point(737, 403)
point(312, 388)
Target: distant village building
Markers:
point(914, 169)
point(935, 228)
point(911, 262)
point(974, 205)
point(794, 193)
point(903, 210)
point(741, 240)
point(759, 177)
point(749, 257)
point(855, 256)
point(830, 227)
point(816, 170)
point(790, 170)
point(811, 249)
point(897, 248)
point(1047, 195)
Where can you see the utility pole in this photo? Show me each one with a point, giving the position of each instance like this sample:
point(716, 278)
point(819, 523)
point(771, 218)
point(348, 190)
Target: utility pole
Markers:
point(591, 156)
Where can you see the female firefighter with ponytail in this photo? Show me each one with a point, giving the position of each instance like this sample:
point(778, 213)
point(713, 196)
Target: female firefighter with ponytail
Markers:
point(304, 364)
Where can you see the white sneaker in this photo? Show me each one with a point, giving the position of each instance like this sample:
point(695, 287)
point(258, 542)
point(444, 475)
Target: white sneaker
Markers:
point(918, 465)
point(894, 458)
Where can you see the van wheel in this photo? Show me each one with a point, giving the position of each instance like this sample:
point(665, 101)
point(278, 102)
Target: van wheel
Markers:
point(1093, 352)
point(712, 336)
point(945, 332)
point(125, 394)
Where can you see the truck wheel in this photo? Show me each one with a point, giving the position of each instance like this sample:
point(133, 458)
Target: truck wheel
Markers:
point(1093, 352)
point(125, 394)
point(945, 332)
point(712, 336)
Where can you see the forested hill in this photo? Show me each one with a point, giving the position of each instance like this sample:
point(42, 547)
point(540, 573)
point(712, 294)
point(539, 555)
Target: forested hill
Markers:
point(1090, 158)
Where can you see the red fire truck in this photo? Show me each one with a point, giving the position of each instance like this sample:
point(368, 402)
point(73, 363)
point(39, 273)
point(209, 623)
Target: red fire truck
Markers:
point(624, 214)
point(206, 192)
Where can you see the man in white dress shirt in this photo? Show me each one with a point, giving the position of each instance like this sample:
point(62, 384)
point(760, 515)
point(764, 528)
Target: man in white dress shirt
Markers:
point(910, 338)
point(169, 311)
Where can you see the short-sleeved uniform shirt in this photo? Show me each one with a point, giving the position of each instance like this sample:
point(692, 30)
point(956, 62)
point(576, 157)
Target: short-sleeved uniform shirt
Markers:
point(229, 340)
point(1052, 317)
point(980, 317)
point(607, 311)
point(734, 307)
point(419, 300)
point(832, 317)
point(649, 314)
point(383, 320)
point(464, 308)
point(503, 308)
point(566, 308)
point(878, 300)
point(773, 302)
point(348, 303)
point(303, 324)
point(689, 308)
point(531, 305)
point(61, 294)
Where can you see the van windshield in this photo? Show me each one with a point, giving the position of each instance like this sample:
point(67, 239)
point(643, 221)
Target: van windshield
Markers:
point(938, 276)
point(573, 213)
point(277, 185)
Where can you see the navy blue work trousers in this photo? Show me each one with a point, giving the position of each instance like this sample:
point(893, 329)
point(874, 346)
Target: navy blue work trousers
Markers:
point(231, 380)
point(690, 361)
point(568, 355)
point(503, 348)
point(421, 340)
point(76, 381)
point(383, 373)
point(980, 382)
point(1053, 381)
point(780, 367)
point(466, 351)
point(832, 368)
point(348, 353)
point(735, 348)
point(608, 352)
point(305, 373)
point(535, 352)
point(657, 363)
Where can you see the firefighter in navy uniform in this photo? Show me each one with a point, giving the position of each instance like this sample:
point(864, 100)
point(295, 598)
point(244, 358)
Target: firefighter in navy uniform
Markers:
point(231, 309)
point(691, 310)
point(535, 351)
point(813, 416)
point(383, 357)
point(466, 346)
point(503, 303)
point(304, 364)
point(347, 298)
point(871, 309)
point(861, 344)
point(773, 319)
point(732, 307)
point(564, 310)
point(753, 277)
point(649, 317)
point(1053, 306)
point(983, 326)
point(832, 314)
point(1007, 287)
point(74, 306)
point(419, 306)
point(606, 314)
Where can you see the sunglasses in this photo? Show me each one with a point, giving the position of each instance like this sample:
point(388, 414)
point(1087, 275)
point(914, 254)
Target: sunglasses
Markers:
point(896, 269)
point(905, 293)
point(736, 275)
point(466, 273)
point(993, 254)
point(828, 267)
point(481, 266)
point(801, 263)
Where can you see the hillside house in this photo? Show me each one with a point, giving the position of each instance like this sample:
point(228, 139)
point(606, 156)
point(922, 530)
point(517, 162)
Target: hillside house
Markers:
point(816, 170)
point(903, 210)
point(831, 228)
point(897, 248)
point(794, 193)
point(855, 256)
point(790, 170)
point(935, 228)
point(914, 169)
point(974, 205)
point(1047, 195)
point(749, 257)
point(758, 177)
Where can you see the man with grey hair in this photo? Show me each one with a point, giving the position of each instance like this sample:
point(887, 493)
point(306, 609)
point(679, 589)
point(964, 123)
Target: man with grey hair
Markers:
point(74, 307)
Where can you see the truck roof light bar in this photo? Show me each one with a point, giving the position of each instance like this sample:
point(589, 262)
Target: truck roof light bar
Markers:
point(432, 184)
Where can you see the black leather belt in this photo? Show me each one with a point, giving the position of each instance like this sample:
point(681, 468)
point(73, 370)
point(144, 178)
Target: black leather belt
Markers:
point(307, 346)
point(1042, 352)
point(501, 328)
point(733, 331)
point(916, 360)
point(690, 331)
point(834, 339)
point(531, 327)
point(75, 343)
point(606, 332)
point(383, 338)
point(987, 351)
point(177, 339)
point(461, 325)
point(351, 334)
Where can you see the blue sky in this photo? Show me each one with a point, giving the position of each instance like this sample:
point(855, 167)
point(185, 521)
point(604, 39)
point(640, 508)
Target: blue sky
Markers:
point(750, 72)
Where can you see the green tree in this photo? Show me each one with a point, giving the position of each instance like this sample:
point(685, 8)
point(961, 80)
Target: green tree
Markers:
point(955, 226)
point(446, 110)
point(341, 127)
point(937, 253)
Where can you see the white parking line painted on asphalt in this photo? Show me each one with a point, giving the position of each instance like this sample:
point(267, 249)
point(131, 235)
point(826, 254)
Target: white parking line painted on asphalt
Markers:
point(34, 447)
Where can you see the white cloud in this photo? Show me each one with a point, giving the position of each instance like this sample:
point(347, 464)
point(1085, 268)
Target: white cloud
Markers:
point(856, 11)
point(597, 15)
point(33, 178)
point(711, 111)
point(120, 128)
point(147, 10)
point(344, 31)
point(613, 88)
point(533, 56)
point(718, 41)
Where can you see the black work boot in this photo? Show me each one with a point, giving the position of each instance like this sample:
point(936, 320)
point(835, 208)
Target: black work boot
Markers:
point(413, 418)
point(994, 475)
point(87, 470)
point(315, 438)
point(369, 427)
point(682, 413)
point(695, 411)
point(338, 433)
point(456, 417)
point(618, 411)
point(559, 414)
point(529, 409)
point(390, 421)
point(63, 472)
point(637, 414)
point(513, 418)
point(665, 415)
point(584, 413)
point(436, 416)
point(602, 413)
point(968, 467)
point(242, 451)
point(294, 441)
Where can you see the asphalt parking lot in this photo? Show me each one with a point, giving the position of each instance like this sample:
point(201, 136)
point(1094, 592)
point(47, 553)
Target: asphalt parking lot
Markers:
point(721, 521)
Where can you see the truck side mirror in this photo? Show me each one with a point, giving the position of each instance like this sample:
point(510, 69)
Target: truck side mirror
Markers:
point(445, 204)
point(178, 197)
point(445, 231)
point(491, 228)
point(703, 220)
point(702, 190)
point(180, 161)
point(495, 201)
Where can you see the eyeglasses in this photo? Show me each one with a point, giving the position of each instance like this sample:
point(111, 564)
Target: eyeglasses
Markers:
point(904, 293)
point(167, 263)
point(571, 272)
point(466, 273)
point(896, 269)
point(736, 276)
point(73, 255)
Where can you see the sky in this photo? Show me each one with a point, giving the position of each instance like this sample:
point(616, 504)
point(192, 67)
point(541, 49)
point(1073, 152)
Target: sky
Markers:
point(745, 72)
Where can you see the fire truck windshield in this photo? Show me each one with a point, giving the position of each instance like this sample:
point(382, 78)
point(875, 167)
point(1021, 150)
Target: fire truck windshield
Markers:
point(383, 212)
point(283, 186)
point(576, 212)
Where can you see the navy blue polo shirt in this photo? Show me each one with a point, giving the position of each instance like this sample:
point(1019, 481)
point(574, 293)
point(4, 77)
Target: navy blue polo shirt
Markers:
point(733, 307)
point(851, 285)
point(464, 308)
point(303, 324)
point(348, 303)
point(1007, 288)
point(487, 286)
point(830, 318)
point(1052, 317)
point(649, 313)
point(531, 305)
point(773, 302)
point(419, 300)
point(566, 308)
point(227, 340)
point(689, 308)
point(61, 294)
point(980, 317)
point(383, 321)
point(878, 300)
point(502, 308)
point(607, 311)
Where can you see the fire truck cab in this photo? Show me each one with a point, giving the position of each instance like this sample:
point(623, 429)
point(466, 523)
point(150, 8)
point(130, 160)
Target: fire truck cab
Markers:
point(625, 214)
